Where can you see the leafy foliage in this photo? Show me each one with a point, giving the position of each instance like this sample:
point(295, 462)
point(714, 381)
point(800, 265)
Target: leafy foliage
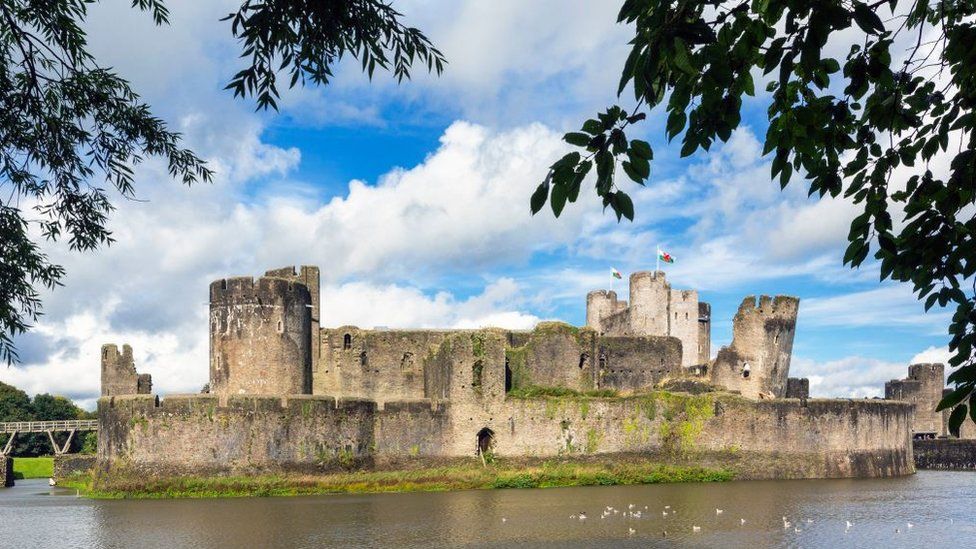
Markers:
point(307, 38)
point(67, 126)
point(867, 127)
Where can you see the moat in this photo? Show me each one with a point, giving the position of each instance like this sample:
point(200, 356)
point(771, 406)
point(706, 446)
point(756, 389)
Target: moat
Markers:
point(33, 515)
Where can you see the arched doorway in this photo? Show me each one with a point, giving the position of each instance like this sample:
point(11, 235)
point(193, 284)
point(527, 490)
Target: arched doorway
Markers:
point(486, 442)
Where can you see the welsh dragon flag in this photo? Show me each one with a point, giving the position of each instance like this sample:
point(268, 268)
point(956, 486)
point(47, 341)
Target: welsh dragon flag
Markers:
point(664, 256)
point(615, 273)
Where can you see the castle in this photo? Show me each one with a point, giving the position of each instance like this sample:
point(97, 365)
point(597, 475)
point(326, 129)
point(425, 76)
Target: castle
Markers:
point(286, 393)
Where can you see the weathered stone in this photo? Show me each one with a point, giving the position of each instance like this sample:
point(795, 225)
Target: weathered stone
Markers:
point(66, 465)
point(951, 454)
point(260, 337)
point(6, 471)
point(119, 376)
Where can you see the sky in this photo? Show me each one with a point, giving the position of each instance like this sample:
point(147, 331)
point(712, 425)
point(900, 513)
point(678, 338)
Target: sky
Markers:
point(413, 200)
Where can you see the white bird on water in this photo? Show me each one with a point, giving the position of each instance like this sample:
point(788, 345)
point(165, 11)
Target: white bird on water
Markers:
point(582, 516)
point(51, 482)
point(910, 525)
point(664, 513)
point(742, 521)
point(631, 531)
point(504, 519)
point(696, 528)
point(719, 511)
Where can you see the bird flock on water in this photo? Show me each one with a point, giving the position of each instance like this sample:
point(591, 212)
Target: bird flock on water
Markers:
point(633, 511)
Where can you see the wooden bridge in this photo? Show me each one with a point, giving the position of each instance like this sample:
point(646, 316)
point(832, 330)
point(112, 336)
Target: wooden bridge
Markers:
point(71, 426)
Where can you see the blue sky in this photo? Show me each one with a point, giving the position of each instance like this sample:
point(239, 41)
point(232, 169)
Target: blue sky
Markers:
point(413, 199)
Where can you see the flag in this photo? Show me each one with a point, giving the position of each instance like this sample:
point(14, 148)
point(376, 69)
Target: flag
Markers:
point(664, 256)
point(616, 274)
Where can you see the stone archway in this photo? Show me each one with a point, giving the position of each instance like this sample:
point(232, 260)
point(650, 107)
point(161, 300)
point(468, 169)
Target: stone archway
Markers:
point(486, 442)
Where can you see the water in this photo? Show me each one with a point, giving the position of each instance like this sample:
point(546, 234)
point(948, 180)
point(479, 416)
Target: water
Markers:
point(939, 504)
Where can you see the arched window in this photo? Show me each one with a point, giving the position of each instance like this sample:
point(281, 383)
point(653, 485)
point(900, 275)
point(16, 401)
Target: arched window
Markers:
point(745, 370)
point(363, 360)
point(347, 342)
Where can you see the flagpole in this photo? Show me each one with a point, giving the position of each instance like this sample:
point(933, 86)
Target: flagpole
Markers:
point(657, 254)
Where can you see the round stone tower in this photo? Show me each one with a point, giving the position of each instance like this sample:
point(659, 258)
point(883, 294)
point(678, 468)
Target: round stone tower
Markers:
point(650, 295)
point(599, 305)
point(260, 337)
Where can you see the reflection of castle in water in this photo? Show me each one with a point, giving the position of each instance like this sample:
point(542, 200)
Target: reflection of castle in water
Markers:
point(285, 393)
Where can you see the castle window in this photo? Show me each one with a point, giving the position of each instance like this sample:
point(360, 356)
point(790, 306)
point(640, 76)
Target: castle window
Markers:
point(363, 360)
point(281, 327)
point(583, 359)
point(686, 316)
point(508, 377)
point(347, 342)
point(745, 370)
point(603, 361)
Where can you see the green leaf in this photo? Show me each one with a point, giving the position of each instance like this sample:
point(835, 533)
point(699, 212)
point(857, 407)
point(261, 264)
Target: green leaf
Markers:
point(953, 398)
point(577, 138)
point(558, 199)
point(956, 418)
point(538, 199)
point(676, 123)
point(641, 149)
point(593, 127)
point(641, 166)
point(631, 172)
point(681, 58)
point(624, 205)
point(867, 19)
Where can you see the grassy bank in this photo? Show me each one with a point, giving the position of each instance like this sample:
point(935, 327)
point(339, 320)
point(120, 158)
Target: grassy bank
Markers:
point(463, 475)
point(36, 467)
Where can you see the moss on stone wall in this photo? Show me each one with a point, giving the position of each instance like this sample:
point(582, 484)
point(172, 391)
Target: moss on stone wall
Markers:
point(683, 419)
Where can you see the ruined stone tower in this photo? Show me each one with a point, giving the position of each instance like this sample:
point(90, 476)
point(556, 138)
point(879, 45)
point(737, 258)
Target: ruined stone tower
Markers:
point(260, 336)
point(655, 310)
point(758, 360)
point(119, 376)
point(923, 387)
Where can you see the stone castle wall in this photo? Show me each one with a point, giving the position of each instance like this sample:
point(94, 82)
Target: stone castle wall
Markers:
point(260, 337)
point(199, 433)
point(309, 276)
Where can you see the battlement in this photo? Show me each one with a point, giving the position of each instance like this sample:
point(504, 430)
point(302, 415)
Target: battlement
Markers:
point(781, 305)
point(246, 289)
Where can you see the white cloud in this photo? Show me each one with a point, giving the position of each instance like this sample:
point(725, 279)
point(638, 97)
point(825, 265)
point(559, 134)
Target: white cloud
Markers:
point(889, 305)
point(933, 355)
point(848, 377)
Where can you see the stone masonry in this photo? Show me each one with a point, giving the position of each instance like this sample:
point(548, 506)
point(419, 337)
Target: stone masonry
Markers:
point(119, 376)
point(655, 309)
point(757, 363)
point(388, 395)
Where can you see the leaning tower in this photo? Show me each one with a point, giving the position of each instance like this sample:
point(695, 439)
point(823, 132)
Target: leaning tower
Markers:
point(758, 361)
point(260, 336)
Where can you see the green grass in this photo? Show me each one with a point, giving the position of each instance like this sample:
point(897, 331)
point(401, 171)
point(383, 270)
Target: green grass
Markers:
point(37, 467)
point(463, 475)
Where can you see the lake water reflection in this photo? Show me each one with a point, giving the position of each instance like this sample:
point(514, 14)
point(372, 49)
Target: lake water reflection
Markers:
point(937, 504)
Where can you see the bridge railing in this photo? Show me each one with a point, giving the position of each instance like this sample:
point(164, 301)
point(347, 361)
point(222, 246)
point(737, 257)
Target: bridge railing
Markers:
point(45, 426)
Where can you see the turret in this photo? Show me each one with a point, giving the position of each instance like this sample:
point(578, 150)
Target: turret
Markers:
point(650, 295)
point(260, 336)
point(758, 361)
point(599, 305)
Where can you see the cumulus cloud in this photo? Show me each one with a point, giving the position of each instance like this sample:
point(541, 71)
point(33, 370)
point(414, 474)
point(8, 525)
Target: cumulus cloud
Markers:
point(848, 377)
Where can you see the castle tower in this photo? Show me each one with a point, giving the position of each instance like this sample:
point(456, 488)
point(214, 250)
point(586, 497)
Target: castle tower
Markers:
point(758, 361)
point(923, 388)
point(119, 376)
point(260, 336)
point(309, 276)
point(683, 324)
point(704, 332)
point(650, 295)
point(599, 305)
